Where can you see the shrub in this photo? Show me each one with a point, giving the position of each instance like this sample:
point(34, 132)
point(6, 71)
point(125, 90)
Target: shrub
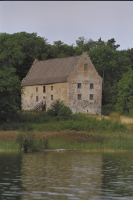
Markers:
point(55, 108)
point(64, 113)
point(27, 140)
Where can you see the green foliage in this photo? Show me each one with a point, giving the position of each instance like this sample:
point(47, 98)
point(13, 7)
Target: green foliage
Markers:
point(44, 143)
point(21, 49)
point(59, 110)
point(9, 145)
point(123, 93)
point(10, 88)
point(55, 108)
point(64, 113)
point(111, 65)
point(27, 140)
point(82, 123)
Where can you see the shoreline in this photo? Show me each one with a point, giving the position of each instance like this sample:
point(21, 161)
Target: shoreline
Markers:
point(72, 150)
point(70, 141)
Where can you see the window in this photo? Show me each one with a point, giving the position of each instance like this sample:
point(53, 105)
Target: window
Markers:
point(36, 89)
point(36, 98)
point(85, 66)
point(91, 86)
point(79, 85)
point(79, 96)
point(51, 97)
point(91, 96)
point(44, 89)
point(51, 88)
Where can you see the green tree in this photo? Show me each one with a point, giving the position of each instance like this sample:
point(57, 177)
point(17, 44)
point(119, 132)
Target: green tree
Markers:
point(20, 50)
point(55, 107)
point(111, 65)
point(60, 50)
point(129, 54)
point(10, 88)
point(123, 93)
point(111, 43)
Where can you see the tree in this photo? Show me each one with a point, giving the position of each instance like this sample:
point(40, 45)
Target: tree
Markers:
point(129, 54)
point(123, 93)
point(111, 43)
point(10, 88)
point(60, 50)
point(110, 64)
point(21, 49)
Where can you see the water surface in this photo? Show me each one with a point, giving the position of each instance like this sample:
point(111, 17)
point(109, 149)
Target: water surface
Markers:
point(66, 175)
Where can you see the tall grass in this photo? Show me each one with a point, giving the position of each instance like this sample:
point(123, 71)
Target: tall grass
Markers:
point(9, 145)
point(72, 140)
point(86, 141)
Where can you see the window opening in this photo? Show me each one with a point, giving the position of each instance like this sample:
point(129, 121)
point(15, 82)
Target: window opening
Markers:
point(44, 90)
point(51, 97)
point(79, 85)
point(85, 66)
point(36, 98)
point(79, 96)
point(51, 88)
point(91, 86)
point(36, 89)
point(91, 96)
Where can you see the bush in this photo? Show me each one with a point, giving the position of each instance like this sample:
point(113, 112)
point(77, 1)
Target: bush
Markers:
point(26, 140)
point(55, 108)
point(64, 113)
point(59, 110)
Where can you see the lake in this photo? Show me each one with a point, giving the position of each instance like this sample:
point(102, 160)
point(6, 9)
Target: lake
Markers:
point(66, 175)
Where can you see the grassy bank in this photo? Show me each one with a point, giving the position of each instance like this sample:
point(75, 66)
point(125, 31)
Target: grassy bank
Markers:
point(80, 131)
point(40, 121)
point(88, 141)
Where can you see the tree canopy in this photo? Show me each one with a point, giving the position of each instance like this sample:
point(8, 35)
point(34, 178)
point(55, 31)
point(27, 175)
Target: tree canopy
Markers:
point(123, 93)
point(10, 87)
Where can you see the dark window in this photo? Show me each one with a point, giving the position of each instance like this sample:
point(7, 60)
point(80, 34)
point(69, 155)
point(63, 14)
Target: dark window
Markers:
point(36, 89)
point(51, 88)
point(85, 66)
point(79, 96)
point(36, 98)
point(91, 86)
point(79, 85)
point(44, 89)
point(91, 96)
point(51, 97)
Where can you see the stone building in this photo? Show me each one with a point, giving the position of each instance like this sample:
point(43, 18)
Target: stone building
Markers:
point(71, 79)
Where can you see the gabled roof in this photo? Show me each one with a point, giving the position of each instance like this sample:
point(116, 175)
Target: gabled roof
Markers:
point(50, 71)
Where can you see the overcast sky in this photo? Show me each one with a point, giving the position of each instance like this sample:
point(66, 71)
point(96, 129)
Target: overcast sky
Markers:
point(69, 20)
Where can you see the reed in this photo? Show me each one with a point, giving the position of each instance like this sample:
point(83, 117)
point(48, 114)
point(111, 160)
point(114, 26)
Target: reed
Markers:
point(88, 141)
point(9, 146)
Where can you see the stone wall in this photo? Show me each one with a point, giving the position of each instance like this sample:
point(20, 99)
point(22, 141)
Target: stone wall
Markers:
point(85, 77)
point(58, 90)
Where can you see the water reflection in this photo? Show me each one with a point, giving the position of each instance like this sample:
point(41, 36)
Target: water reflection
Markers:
point(53, 175)
point(117, 180)
point(10, 176)
point(70, 175)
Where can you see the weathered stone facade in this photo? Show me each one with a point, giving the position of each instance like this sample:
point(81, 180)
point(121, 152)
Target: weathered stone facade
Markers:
point(59, 91)
point(82, 90)
point(85, 77)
